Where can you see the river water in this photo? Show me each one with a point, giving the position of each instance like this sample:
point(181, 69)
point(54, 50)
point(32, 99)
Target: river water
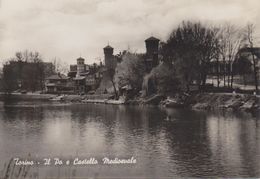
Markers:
point(164, 142)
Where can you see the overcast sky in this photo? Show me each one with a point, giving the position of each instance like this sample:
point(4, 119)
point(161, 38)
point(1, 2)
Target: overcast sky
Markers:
point(67, 29)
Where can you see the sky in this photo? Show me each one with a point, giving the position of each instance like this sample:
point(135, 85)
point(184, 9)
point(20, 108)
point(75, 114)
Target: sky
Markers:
point(68, 29)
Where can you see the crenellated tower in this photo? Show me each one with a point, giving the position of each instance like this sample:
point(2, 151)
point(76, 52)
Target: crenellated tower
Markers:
point(152, 49)
point(109, 57)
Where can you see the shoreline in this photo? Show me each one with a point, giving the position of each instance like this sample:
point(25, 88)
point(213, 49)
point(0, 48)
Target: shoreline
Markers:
point(199, 101)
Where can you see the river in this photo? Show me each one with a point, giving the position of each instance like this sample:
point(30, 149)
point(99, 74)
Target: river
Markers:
point(164, 142)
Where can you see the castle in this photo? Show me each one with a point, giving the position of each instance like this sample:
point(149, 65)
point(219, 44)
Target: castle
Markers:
point(83, 78)
point(151, 55)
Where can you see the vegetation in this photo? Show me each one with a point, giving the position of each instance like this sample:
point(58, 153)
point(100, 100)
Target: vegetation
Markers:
point(25, 72)
point(189, 49)
point(130, 71)
point(230, 41)
point(163, 80)
point(187, 57)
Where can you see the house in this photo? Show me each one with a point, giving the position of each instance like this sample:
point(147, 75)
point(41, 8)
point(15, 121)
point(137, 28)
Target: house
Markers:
point(250, 54)
point(219, 67)
point(58, 83)
point(246, 62)
point(241, 69)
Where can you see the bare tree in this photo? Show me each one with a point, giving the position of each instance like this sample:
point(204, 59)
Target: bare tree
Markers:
point(230, 42)
point(60, 66)
point(223, 44)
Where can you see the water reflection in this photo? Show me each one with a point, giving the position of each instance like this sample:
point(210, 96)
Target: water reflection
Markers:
point(166, 142)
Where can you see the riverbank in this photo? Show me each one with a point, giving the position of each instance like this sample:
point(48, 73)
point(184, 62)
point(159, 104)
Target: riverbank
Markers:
point(102, 98)
point(28, 96)
point(199, 101)
point(211, 101)
point(205, 101)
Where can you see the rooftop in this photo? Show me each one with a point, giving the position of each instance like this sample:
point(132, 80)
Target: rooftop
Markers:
point(79, 78)
point(57, 77)
point(255, 51)
point(108, 47)
point(80, 58)
point(152, 39)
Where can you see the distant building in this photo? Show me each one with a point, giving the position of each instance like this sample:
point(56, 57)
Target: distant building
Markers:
point(248, 53)
point(73, 71)
point(218, 67)
point(79, 69)
point(241, 68)
point(244, 64)
point(152, 49)
point(58, 83)
point(85, 77)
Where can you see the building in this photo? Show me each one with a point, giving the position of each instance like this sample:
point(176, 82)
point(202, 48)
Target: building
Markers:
point(110, 60)
point(79, 80)
point(219, 67)
point(246, 62)
point(241, 70)
point(85, 77)
point(250, 54)
point(152, 50)
point(73, 71)
point(58, 84)
point(79, 69)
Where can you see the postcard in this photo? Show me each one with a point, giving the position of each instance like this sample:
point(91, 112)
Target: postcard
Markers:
point(120, 89)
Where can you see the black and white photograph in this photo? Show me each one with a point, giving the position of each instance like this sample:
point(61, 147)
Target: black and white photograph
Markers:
point(129, 89)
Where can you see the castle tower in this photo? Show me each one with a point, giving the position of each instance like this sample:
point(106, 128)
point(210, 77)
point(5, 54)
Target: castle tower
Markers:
point(109, 57)
point(152, 48)
point(80, 66)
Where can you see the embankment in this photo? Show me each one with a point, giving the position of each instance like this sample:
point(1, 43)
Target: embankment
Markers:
point(210, 101)
point(205, 101)
point(199, 101)
point(29, 96)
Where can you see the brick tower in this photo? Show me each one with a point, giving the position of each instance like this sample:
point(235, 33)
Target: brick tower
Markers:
point(152, 48)
point(109, 57)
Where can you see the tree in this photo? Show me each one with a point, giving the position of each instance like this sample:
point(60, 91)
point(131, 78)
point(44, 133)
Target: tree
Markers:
point(60, 66)
point(230, 38)
point(24, 71)
point(190, 48)
point(130, 71)
point(162, 79)
point(10, 80)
